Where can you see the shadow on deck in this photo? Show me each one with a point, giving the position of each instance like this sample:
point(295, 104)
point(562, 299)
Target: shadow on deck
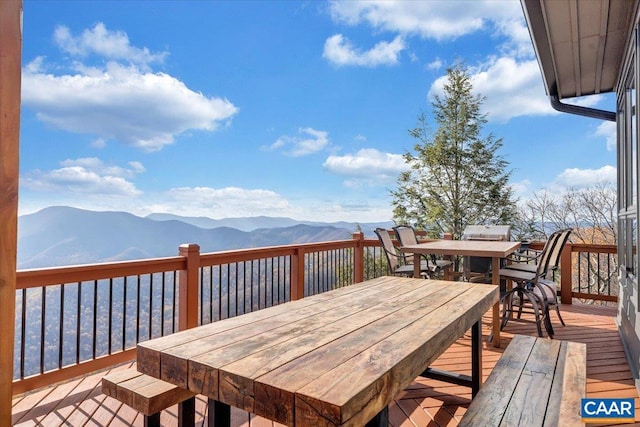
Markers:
point(424, 403)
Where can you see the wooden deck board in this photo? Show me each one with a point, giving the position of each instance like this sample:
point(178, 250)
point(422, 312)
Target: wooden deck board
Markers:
point(424, 402)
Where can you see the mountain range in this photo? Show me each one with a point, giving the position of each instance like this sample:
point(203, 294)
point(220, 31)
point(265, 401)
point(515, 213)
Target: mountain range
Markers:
point(61, 235)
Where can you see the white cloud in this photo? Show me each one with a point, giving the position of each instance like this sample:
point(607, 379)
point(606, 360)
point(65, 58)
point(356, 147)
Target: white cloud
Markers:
point(436, 64)
point(511, 89)
point(428, 19)
point(586, 101)
point(580, 178)
point(99, 143)
point(118, 102)
point(96, 165)
point(301, 145)
point(569, 179)
point(137, 167)
point(518, 42)
point(511, 81)
point(222, 203)
point(108, 44)
point(241, 202)
point(340, 51)
point(225, 202)
point(364, 210)
point(521, 188)
point(607, 129)
point(368, 166)
point(85, 176)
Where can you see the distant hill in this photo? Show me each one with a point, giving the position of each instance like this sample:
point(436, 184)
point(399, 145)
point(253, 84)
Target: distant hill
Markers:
point(65, 236)
point(242, 224)
point(258, 222)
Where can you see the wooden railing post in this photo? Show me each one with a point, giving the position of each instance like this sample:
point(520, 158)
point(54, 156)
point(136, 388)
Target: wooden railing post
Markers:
point(188, 287)
point(10, 83)
point(447, 236)
point(566, 270)
point(358, 257)
point(297, 274)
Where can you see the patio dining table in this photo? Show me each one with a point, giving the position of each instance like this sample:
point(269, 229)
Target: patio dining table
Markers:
point(496, 250)
point(337, 358)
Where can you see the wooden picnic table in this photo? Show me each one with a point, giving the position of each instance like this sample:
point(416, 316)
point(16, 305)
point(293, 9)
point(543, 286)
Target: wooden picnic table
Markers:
point(336, 358)
point(496, 250)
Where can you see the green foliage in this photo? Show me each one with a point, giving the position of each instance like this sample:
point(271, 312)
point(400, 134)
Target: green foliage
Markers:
point(456, 176)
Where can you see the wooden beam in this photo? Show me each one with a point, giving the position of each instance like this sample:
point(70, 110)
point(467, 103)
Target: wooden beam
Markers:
point(188, 287)
point(10, 79)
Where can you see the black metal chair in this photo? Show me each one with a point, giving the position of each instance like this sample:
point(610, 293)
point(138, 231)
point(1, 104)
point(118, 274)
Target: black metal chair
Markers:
point(406, 235)
point(533, 291)
point(396, 262)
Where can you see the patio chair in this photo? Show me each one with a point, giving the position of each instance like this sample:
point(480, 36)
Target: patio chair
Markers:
point(396, 261)
point(406, 235)
point(527, 261)
point(533, 291)
point(550, 259)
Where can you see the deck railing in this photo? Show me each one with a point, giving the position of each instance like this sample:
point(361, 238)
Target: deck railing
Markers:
point(78, 319)
point(587, 272)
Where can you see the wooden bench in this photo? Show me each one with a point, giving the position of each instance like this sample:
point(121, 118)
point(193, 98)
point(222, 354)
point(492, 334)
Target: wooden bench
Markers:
point(148, 395)
point(536, 382)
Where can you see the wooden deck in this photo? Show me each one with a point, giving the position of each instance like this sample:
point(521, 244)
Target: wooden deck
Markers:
point(424, 403)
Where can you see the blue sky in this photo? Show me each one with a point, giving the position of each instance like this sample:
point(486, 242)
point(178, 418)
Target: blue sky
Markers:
point(280, 108)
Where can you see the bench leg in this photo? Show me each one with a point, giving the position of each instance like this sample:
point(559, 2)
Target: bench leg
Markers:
point(219, 414)
point(187, 412)
point(476, 358)
point(152, 420)
point(380, 420)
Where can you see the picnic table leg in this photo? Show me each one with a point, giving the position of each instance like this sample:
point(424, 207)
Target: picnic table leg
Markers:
point(447, 274)
point(219, 414)
point(495, 279)
point(476, 357)
point(380, 420)
point(152, 420)
point(416, 266)
point(187, 412)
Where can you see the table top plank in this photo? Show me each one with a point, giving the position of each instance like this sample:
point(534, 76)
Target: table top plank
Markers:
point(362, 343)
point(481, 248)
point(293, 376)
point(358, 387)
point(148, 353)
point(174, 361)
point(335, 322)
point(286, 368)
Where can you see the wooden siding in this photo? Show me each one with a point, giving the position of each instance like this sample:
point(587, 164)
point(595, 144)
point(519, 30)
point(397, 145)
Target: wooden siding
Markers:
point(424, 403)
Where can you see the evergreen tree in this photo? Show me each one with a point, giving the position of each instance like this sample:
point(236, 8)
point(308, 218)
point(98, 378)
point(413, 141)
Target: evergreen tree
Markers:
point(457, 177)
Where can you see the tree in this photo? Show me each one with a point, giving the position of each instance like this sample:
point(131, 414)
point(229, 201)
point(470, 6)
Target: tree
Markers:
point(591, 213)
point(456, 177)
